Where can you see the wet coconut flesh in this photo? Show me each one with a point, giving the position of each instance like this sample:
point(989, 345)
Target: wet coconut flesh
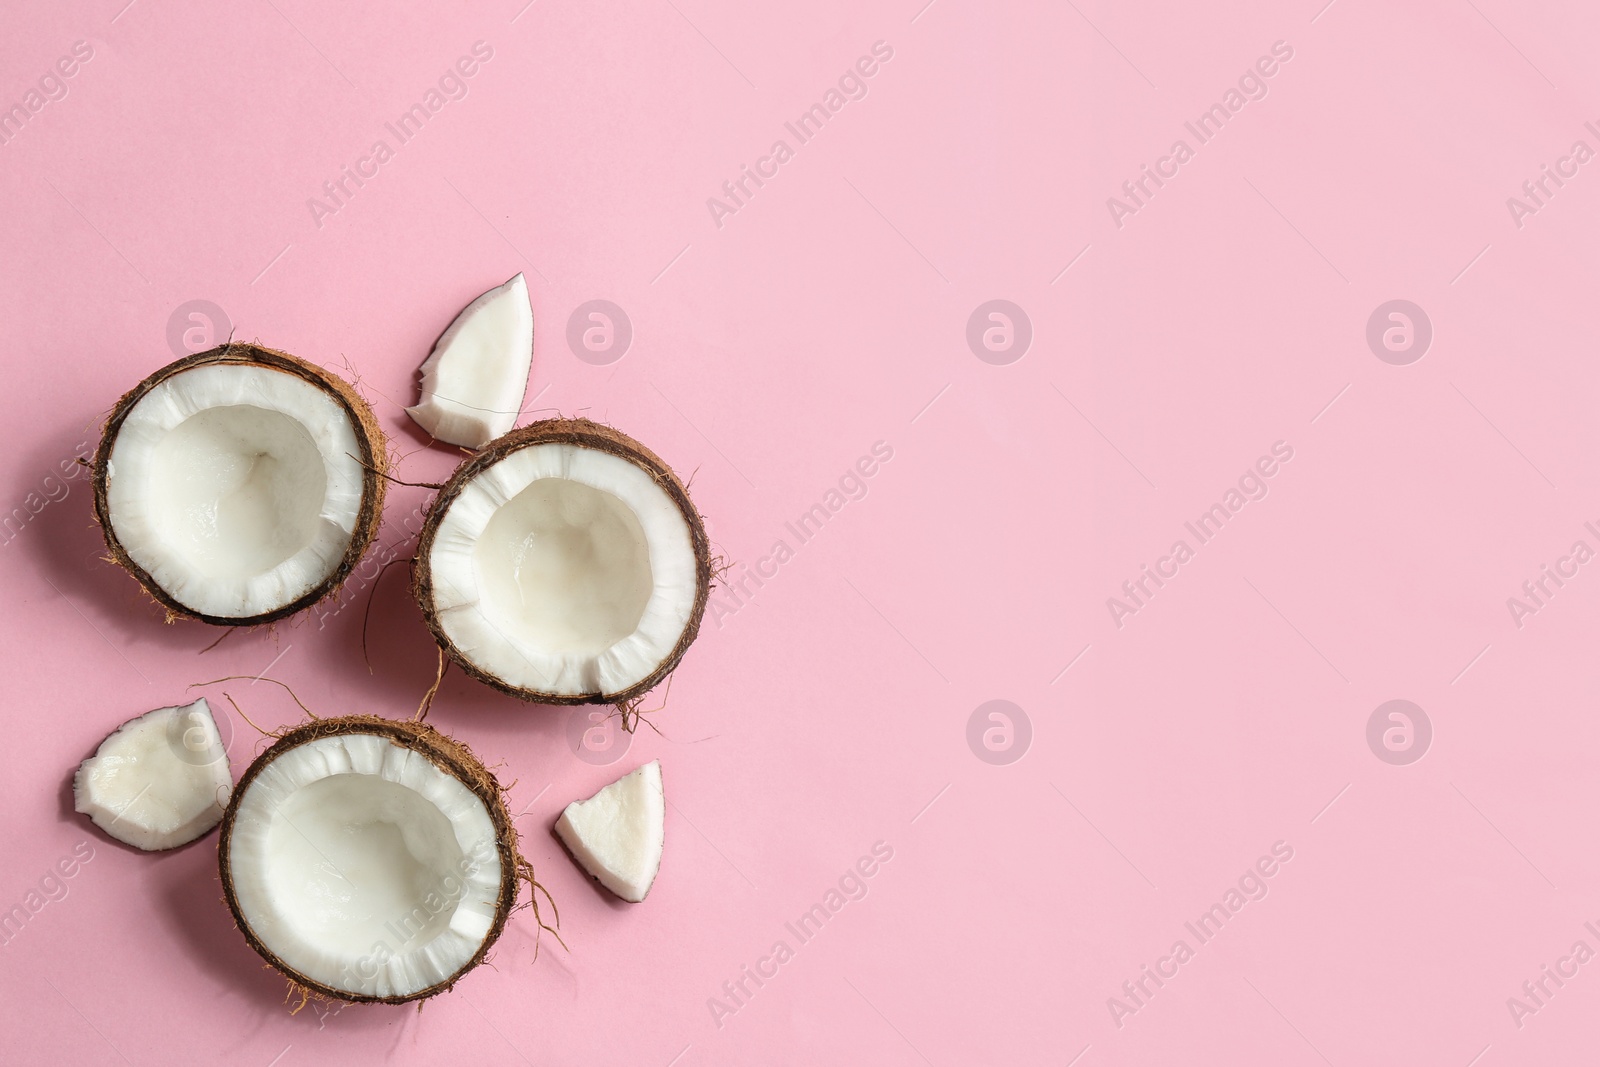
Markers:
point(158, 781)
point(564, 564)
point(239, 485)
point(370, 860)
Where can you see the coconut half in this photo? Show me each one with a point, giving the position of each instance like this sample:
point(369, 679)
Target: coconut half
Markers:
point(618, 834)
point(370, 860)
point(239, 485)
point(564, 564)
point(474, 379)
point(159, 781)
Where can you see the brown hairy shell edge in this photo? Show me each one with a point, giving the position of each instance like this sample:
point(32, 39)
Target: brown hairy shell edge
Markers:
point(588, 434)
point(374, 459)
point(451, 756)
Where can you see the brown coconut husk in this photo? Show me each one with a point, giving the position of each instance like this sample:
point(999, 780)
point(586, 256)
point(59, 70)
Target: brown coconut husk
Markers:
point(373, 457)
point(603, 438)
point(451, 756)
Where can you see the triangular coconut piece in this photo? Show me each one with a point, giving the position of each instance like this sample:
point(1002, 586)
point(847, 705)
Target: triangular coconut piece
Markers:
point(474, 380)
point(159, 781)
point(617, 834)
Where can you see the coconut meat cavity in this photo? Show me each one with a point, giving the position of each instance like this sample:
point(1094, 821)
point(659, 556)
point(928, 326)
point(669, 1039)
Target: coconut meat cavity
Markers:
point(564, 569)
point(235, 487)
point(364, 866)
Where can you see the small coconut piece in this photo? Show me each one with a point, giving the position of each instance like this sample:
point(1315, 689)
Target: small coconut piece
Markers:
point(370, 860)
point(159, 781)
point(617, 834)
point(240, 485)
point(474, 379)
point(564, 564)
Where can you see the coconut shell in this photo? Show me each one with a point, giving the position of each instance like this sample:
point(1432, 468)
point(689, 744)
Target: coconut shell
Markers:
point(589, 435)
point(446, 753)
point(374, 458)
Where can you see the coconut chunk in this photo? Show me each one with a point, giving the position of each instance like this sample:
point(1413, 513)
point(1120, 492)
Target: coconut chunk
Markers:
point(474, 380)
point(617, 834)
point(564, 564)
point(369, 860)
point(159, 781)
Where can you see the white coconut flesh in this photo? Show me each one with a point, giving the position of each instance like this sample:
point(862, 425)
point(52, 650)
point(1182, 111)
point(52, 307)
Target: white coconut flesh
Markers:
point(564, 570)
point(159, 781)
point(617, 835)
point(474, 379)
point(364, 866)
point(236, 488)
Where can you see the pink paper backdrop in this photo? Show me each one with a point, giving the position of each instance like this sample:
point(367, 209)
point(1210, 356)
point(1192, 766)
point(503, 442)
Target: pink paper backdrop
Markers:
point(1157, 755)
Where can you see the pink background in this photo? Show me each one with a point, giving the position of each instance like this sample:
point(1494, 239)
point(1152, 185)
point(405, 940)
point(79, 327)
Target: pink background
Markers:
point(830, 710)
